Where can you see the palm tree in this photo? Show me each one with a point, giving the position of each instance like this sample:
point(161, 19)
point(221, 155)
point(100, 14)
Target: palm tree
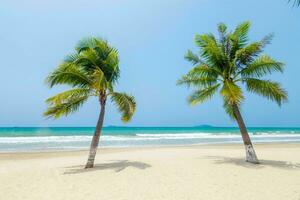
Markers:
point(228, 62)
point(92, 71)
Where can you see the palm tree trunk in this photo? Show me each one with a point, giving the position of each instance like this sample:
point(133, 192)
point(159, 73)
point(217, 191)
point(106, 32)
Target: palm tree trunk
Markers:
point(250, 153)
point(96, 137)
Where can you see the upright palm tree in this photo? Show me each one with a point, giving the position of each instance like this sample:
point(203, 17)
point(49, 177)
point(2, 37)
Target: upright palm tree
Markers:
point(228, 62)
point(92, 71)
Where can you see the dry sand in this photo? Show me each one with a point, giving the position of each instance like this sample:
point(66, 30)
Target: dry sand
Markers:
point(194, 172)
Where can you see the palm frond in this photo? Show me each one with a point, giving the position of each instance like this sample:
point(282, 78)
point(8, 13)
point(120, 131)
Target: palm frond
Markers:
point(205, 71)
point(223, 39)
point(65, 107)
point(222, 28)
point(112, 63)
point(267, 40)
point(200, 96)
point(228, 108)
point(193, 58)
point(100, 82)
point(239, 38)
point(126, 105)
point(69, 94)
point(247, 54)
point(262, 66)
point(232, 93)
point(196, 81)
point(71, 58)
point(96, 53)
point(69, 74)
point(241, 32)
point(266, 88)
point(86, 43)
point(89, 59)
point(210, 50)
point(103, 48)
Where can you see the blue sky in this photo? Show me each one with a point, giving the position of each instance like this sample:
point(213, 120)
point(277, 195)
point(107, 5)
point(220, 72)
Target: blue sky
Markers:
point(152, 38)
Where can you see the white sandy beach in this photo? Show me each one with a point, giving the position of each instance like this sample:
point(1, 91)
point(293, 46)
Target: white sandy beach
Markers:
point(196, 172)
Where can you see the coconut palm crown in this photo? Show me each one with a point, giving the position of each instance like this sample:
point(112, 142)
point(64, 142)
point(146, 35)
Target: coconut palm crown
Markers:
point(92, 71)
point(227, 62)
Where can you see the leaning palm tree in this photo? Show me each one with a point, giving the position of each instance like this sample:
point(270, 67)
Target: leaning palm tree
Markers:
point(92, 71)
point(225, 64)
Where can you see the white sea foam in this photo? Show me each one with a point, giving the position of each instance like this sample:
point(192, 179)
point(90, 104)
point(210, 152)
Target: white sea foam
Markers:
point(146, 137)
point(43, 139)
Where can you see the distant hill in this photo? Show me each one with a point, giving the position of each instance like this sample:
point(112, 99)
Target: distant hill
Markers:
point(204, 126)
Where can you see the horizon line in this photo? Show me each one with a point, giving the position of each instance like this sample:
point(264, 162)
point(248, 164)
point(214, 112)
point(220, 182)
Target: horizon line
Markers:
point(112, 126)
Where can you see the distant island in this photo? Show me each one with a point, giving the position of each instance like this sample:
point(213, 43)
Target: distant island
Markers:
point(204, 126)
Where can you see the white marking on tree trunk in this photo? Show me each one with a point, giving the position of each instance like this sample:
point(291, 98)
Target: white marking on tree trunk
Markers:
point(250, 154)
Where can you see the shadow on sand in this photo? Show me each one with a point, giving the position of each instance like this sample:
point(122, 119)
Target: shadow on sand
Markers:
point(263, 163)
point(117, 166)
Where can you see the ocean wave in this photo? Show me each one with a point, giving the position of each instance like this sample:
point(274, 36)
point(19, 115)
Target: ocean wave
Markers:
point(139, 137)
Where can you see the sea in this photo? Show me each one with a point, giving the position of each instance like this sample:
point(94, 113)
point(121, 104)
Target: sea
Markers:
point(24, 139)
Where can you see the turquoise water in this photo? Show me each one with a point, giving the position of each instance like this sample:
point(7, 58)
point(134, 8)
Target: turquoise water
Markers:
point(68, 138)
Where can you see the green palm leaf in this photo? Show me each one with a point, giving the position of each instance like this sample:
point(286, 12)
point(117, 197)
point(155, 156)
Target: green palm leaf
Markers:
point(96, 53)
point(67, 95)
point(262, 66)
point(69, 74)
point(232, 93)
point(89, 59)
point(193, 58)
point(99, 80)
point(112, 60)
point(228, 108)
point(192, 80)
point(247, 54)
point(66, 107)
point(239, 38)
point(125, 103)
point(86, 43)
point(210, 50)
point(266, 88)
point(202, 95)
point(204, 71)
point(222, 28)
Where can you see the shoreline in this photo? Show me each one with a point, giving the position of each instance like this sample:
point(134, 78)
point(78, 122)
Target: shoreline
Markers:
point(152, 147)
point(126, 149)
